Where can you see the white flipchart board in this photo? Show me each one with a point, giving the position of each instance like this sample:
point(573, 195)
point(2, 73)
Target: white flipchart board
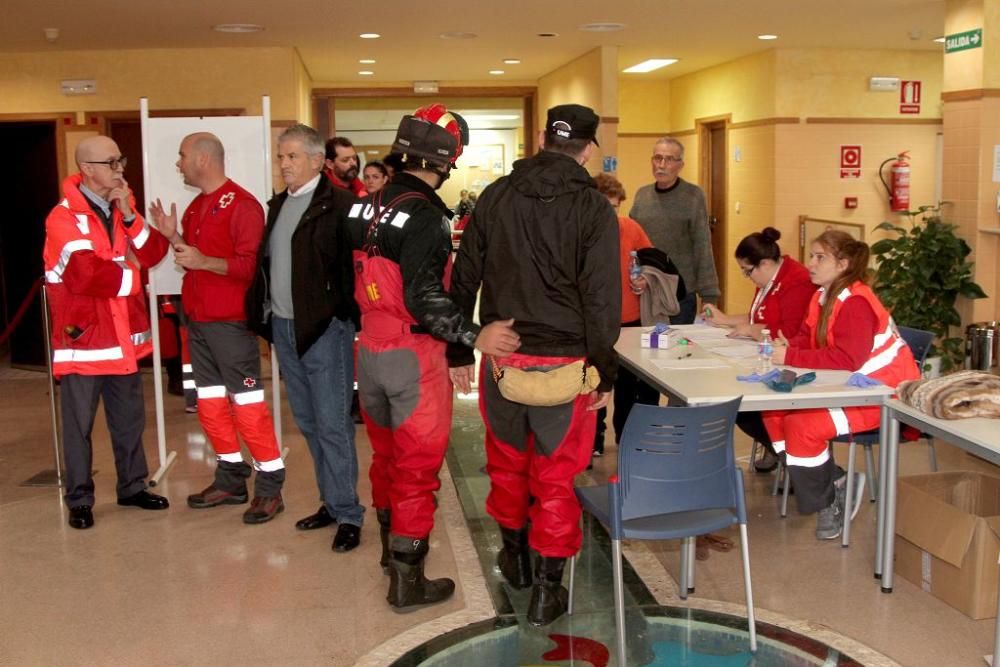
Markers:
point(247, 143)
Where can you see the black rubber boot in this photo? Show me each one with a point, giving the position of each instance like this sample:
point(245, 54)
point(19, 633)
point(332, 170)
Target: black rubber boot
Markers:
point(549, 597)
point(408, 587)
point(514, 559)
point(384, 521)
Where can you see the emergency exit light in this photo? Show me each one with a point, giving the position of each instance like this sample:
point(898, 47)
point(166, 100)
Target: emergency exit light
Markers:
point(881, 84)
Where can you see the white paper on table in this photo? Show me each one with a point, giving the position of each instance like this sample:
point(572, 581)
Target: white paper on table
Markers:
point(738, 351)
point(688, 363)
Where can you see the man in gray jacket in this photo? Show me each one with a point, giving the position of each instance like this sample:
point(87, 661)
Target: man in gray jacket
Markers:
point(672, 212)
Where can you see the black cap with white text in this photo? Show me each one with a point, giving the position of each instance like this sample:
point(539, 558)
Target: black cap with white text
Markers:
point(572, 121)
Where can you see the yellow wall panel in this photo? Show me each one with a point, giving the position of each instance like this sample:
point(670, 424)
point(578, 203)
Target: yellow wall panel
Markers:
point(643, 106)
point(743, 88)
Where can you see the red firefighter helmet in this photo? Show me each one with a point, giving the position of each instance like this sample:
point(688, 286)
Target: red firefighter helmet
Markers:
point(432, 137)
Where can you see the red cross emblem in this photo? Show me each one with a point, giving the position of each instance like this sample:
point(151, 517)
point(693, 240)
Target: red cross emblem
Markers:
point(249, 382)
point(226, 199)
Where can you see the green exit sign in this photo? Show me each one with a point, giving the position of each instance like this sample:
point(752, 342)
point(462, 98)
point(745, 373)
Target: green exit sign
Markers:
point(960, 41)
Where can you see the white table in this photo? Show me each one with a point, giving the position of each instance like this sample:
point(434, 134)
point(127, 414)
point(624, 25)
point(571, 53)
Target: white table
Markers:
point(699, 386)
point(978, 436)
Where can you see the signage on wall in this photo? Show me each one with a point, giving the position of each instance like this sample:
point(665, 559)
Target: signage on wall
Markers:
point(961, 41)
point(909, 97)
point(850, 161)
point(610, 163)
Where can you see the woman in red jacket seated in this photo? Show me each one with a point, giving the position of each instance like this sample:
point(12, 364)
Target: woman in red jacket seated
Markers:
point(846, 328)
point(779, 304)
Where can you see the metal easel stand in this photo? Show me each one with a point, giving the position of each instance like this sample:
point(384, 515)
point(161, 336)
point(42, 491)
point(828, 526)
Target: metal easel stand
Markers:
point(53, 477)
point(166, 458)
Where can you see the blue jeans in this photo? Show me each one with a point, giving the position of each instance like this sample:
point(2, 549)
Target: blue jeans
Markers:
point(688, 306)
point(319, 387)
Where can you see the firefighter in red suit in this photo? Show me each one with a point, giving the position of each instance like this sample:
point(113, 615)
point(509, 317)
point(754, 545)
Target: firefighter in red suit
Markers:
point(222, 229)
point(846, 328)
point(544, 245)
point(343, 165)
point(402, 249)
point(96, 247)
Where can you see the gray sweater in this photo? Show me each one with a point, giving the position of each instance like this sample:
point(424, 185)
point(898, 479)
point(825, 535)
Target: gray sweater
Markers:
point(676, 221)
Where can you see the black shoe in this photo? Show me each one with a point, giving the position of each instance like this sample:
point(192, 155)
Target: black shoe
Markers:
point(145, 500)
point(514, 560)
point(213, 496)
point(175, 387)
point(384, 525)
point(81, 517)
point(321, 519)
point(767, 462)
point(348, 537)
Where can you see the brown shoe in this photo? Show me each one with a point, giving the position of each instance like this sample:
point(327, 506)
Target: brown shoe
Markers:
point(263, 509)
point(213, 496)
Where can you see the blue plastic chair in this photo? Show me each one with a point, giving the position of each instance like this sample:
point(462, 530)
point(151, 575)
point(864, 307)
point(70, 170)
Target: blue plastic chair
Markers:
point(677, 479)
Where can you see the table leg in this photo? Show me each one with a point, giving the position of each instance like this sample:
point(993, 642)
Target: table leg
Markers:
point(889, 474)
point(880, 507)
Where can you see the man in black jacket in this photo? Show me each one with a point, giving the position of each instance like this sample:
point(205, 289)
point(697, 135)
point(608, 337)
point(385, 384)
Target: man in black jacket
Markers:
point(301, 299)
point(402, 248)
point(543, 244)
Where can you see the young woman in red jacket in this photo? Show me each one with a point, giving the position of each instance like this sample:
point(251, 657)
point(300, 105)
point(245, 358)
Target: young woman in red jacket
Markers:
point(846, 328)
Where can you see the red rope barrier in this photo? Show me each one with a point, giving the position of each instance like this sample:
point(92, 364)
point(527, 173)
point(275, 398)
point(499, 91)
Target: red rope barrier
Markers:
point(22, 309)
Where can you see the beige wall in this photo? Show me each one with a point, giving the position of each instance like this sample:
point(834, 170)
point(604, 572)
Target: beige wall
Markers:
point(170, 78)
point(744, 88)
point(303, 86)
point(963, 70)
point(643, 106)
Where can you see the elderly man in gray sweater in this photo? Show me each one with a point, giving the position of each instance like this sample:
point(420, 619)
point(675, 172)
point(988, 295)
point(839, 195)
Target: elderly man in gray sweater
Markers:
point(672, 213)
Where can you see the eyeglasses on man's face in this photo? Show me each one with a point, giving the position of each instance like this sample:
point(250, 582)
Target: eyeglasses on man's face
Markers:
point(666, 159)
point(113, 164)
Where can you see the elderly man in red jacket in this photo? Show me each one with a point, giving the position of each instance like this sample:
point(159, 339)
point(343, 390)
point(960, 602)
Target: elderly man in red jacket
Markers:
point(96, 245)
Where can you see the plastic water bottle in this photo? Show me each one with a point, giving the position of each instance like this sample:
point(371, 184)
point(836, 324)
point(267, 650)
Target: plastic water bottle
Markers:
point(765, 348)
point(634, 268)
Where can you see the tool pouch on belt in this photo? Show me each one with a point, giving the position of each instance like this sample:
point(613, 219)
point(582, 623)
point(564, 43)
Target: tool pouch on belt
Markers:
point(552, 387)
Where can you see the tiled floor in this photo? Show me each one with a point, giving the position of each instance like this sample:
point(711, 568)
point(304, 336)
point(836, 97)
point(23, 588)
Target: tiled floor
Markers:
point(187, 587)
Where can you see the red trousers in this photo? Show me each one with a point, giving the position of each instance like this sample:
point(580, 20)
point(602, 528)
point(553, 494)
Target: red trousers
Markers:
point(804, 434)
point(406, 402)
point(533, 454)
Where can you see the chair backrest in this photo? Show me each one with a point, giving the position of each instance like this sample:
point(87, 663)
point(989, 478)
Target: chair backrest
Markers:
point(678, 459)
point(919, 342)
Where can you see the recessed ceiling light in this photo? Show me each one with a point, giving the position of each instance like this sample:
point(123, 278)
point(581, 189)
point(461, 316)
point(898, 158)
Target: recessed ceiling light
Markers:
point(511, 61)
point(369, 35)
point(367, 61)
point(649, 65)
point(939, 40)
point(238, 28)
point(548, 34)
point(602, 27)
point(496, 71)
point(458, 35)
point(366, 72)
point(767, 37)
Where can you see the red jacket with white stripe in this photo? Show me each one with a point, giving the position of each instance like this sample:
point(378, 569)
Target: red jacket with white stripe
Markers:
point(885, 356)
point(227, 223)
point(100, 320)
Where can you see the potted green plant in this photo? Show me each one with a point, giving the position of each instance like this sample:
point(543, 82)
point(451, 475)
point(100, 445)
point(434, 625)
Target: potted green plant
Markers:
point(920, 274)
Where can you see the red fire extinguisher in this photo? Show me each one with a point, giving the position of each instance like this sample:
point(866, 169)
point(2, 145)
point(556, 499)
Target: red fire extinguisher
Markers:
point(898, 186)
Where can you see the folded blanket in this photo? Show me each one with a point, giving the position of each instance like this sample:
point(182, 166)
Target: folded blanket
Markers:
point(955, 396)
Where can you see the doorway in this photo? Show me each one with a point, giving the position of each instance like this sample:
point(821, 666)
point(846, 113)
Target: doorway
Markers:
point(713, 138)
point(32, 171)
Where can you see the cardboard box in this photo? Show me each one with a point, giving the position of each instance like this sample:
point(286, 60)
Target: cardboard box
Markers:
point(659, 341)
point(948, 538)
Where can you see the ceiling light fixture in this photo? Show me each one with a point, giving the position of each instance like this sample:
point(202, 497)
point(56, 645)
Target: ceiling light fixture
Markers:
point(496, 71)
point(367, 61)
point(369, 35)
point(366, 72)
point(548, 34)
point(767, 38)
point(602, 27)
point(511, 61)
point(649, 65)
point(457, 34)
point(238, 28)
point(939, 40)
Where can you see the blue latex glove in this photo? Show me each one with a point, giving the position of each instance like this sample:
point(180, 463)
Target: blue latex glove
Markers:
point(862, 381)
point(661, 328)
point(757, 377)
point(788, 380)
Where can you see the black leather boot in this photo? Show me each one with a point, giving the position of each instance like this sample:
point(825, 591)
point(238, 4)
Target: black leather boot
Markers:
point(384, 521)
point(408, 587)
point(514, 559)
point(549, 597)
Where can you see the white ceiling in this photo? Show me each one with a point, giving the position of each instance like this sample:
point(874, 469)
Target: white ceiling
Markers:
point(701, 33)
